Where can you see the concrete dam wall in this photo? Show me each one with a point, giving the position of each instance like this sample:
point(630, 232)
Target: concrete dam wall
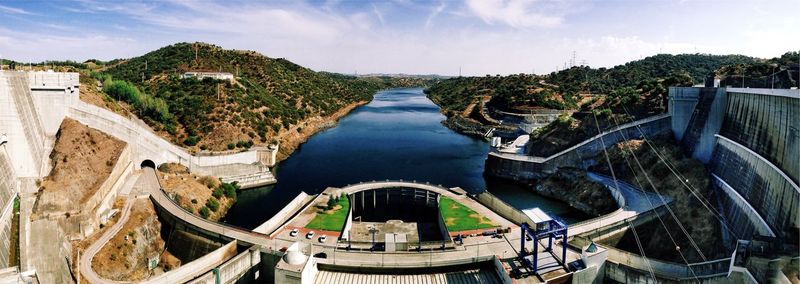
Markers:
point(750, 140)
point(767, 124)
point(8, 190)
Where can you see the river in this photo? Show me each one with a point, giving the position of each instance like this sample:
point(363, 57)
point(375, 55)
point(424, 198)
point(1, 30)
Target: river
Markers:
point(398, 135)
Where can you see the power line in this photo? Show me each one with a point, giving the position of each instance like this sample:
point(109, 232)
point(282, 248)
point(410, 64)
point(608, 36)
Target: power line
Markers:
point(672, 239)
point(616, 184)
point(664, 202)
point(683, 180)
point(641, 250)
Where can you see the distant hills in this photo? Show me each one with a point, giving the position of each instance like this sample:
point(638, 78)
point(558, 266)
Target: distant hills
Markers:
point(269, 98)
point(618, 94)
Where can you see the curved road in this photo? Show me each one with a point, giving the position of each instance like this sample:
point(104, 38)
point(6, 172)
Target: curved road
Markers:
point(85, 263)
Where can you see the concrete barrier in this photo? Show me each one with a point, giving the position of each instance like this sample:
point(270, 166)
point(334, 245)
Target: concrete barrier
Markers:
point(238, 269)
point(502, 208)
point(618, 268)
point(705, 121)
point(196, 268)
point(288, 211)
point(526, 168)
point(147, 145)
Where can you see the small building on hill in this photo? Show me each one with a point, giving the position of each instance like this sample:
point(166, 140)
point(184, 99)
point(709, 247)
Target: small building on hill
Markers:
point(203, 75)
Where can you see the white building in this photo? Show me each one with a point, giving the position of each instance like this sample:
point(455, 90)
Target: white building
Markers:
point(213, 75)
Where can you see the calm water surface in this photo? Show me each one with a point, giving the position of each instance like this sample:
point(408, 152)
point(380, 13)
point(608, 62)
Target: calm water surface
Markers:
point(398, 135)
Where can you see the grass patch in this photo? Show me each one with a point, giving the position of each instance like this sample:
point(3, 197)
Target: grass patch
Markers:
point(333, 219)
point(458, 217)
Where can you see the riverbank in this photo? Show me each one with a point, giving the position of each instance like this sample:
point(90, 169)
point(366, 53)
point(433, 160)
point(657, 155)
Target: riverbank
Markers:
point(291, 139)
point(466, 126)
point(398, 135)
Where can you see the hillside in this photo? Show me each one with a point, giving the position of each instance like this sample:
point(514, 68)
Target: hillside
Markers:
point(269, 101)
point(614, 95)
point(559, 90)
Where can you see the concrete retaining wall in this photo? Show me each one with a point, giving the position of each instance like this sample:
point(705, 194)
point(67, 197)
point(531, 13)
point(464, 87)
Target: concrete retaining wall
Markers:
point(741, 217)
point(682, 102)
point(147, 145)
point(237, 269)
point(622, 270)
point(502, 208)
point(771, 193)
point(525, 168)
point(103, 199)
point(706, 120)
point(284, 215)
point(198, 267)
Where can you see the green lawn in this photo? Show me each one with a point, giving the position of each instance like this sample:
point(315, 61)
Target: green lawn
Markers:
point(458, 217)
point(333, 220)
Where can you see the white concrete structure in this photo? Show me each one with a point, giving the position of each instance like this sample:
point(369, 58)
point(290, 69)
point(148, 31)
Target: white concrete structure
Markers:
point(295, 267)
point(212, 75)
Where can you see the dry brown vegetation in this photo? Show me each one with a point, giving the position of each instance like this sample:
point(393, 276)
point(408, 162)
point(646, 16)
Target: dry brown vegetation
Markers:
point(125, 256)
point(82, 159)
point(193, 191)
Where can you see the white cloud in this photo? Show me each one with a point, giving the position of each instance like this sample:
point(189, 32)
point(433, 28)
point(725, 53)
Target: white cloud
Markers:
point(377, 13)
point(515, 13)
point(436, 11)
point(18, 46)
point(339, 38)
point(12, 10)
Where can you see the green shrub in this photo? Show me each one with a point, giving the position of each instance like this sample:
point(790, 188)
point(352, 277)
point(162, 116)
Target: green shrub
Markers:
point(217, 193)
point(213, 204)
point(204, 212)
point(231, 146)
point(191, 141)
point(230, 192)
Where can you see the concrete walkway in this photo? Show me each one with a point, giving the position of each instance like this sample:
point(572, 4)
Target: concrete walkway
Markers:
point(636, 203)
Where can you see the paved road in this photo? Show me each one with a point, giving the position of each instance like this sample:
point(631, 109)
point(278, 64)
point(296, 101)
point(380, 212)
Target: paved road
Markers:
point(86, 259)
point(636, 202)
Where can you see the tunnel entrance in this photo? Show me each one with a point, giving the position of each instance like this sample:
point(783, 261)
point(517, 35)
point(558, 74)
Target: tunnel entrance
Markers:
point(408, 211)
point(148, 164)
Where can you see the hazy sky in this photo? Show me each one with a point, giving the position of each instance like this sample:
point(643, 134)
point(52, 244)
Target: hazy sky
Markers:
point(405, 36)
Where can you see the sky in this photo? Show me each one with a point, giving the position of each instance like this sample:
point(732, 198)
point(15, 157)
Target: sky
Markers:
point(474, 37)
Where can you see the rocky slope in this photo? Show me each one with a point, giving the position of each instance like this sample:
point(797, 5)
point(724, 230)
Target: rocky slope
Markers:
point(82, 158)
point(125, 257)
point(574, 188)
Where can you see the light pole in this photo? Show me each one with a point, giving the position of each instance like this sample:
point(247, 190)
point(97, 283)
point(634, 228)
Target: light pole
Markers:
point(773, 75)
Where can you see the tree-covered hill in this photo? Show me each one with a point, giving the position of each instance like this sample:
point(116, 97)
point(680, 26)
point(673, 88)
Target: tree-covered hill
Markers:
point(558, 90)
point(269, 99)
point(615, 95)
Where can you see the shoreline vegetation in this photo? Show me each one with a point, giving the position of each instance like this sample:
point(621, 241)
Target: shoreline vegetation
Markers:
point(262, 101)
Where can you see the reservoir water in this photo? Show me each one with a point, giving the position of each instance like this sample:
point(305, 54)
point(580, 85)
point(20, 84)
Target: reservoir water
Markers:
point(398, 135)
